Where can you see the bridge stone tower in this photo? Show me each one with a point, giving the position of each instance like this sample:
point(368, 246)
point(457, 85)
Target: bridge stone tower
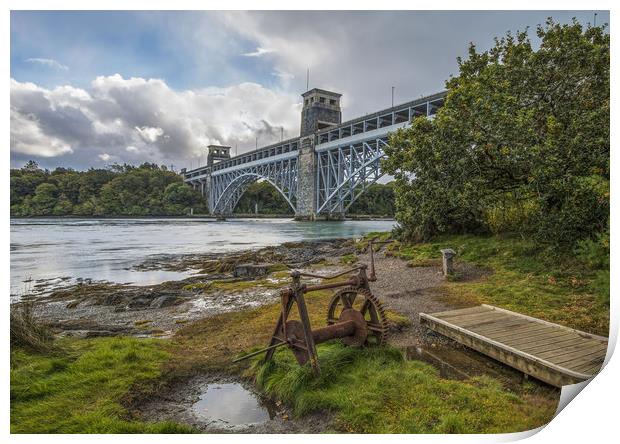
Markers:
point(217, 153)
point(321, 110)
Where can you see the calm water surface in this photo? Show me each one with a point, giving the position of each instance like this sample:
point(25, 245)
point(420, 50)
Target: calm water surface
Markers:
point(43, 251)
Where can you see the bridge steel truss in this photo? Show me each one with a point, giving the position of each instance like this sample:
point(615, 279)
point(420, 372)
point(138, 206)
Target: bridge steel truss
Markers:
point(228, 185)
point(345, 172)
point(347, 160)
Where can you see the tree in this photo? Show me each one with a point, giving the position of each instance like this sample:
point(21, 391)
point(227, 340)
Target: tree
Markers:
point(523, 132)
point(44, 199)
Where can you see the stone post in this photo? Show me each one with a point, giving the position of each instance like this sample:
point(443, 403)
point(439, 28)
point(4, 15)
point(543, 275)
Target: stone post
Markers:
point(448, 265)
point(306, 180)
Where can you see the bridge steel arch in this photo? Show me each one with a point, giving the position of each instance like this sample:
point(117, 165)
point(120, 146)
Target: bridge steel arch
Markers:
point(227, 187)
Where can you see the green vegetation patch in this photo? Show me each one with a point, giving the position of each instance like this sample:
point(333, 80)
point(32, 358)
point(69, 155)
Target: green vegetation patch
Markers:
point(374, 390)
point(348, 259)
point(569, 289)
point(79, 387)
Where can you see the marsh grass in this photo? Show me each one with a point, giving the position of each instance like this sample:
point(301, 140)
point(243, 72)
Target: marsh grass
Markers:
point(26, 331)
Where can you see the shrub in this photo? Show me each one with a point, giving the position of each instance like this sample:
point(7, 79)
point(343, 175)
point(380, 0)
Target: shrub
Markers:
point(26, 331)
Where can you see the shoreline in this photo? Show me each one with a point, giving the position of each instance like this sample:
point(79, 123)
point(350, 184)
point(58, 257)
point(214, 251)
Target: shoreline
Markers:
point(355, 217)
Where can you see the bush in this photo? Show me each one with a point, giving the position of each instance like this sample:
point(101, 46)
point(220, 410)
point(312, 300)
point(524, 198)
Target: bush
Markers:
point(26, 332)
point(521, 143)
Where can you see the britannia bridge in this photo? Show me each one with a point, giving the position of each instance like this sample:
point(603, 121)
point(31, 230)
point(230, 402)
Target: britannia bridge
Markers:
point(322, 172)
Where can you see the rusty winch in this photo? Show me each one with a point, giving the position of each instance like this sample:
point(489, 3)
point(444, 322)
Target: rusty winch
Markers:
point(354, 315)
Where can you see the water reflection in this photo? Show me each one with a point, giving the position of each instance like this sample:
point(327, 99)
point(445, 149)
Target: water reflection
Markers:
point(229, 405)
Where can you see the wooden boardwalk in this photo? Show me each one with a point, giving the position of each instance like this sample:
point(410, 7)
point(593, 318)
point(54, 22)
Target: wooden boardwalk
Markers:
point(550, 352)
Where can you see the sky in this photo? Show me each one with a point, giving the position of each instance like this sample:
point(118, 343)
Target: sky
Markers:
point(89, 89)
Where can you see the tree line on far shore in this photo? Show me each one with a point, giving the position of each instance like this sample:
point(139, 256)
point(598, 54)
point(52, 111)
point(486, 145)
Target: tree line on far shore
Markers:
point(119, 190)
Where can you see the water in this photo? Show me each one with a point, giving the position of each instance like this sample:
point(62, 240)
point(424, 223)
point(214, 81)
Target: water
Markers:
point(45, 250)
point(230, 405)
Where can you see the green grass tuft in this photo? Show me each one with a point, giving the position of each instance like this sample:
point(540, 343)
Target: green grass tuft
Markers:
point(374, 390)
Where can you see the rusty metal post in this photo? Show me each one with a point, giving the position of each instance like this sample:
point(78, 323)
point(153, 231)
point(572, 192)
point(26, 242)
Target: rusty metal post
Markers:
point(309, 339)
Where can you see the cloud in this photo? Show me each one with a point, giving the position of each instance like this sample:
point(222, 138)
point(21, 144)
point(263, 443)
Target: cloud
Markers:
point(136, 120)
point(148, 134)
point(50, 63)
point(260, 51)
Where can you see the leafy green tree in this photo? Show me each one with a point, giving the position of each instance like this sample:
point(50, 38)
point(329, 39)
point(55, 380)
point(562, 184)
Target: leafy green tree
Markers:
point(147, 190)
point(265, 198)
point(524, 131)
point(44, 199)
point(377, 200)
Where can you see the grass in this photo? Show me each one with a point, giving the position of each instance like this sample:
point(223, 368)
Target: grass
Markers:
point(523, 277)
point(79, 387)
point(348, 259)
point(375, 390)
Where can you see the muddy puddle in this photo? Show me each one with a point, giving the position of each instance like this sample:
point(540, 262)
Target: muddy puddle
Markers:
point(231, 406)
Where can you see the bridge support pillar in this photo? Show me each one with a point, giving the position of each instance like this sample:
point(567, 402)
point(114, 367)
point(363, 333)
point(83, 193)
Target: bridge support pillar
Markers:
point(306, 180)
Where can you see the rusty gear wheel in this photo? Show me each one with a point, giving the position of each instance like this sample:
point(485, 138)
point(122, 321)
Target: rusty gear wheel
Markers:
point(367, 304)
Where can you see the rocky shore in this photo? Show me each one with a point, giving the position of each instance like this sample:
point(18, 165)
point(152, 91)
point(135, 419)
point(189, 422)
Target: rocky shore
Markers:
point(219, 283)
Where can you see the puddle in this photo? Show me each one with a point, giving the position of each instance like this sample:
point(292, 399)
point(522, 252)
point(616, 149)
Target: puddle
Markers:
point(231, 406)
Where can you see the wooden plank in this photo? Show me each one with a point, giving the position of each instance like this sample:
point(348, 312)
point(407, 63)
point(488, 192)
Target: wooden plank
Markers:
point(526, 334)
point(536, 336)
point(577, 359)
point(590, 369)
point(551, 344)
point(530, 329)
point(503, 325)
point(482, 321)
point(459, 320)
point(575, 349)
point(462, 311)
point(542, 321)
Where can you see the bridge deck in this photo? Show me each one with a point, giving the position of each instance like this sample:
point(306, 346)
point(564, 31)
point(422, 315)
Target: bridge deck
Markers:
point(550, 352)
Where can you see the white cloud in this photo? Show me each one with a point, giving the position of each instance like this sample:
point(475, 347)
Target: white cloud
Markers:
point(260, 51)
point(50, 63)
point(137, 120)
point(105, 157)
point(149, 134)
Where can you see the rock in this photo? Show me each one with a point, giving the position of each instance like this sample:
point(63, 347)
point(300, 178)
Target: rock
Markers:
point(163, 301)
point(251, 270)
point(113, 299)
point(139, 302)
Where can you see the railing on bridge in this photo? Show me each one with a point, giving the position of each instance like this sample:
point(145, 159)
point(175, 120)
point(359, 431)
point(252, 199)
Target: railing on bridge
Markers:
point(400, 114)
